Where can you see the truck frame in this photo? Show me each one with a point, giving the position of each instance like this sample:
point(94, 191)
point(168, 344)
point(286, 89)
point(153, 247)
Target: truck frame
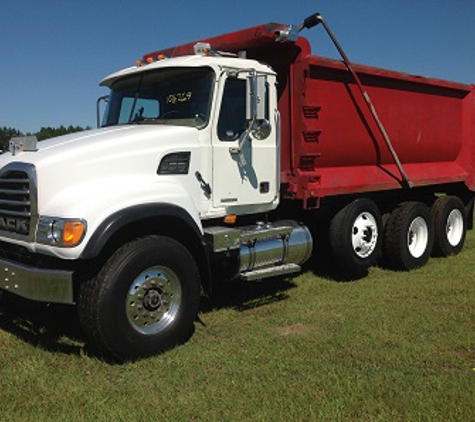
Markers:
point(240, 156)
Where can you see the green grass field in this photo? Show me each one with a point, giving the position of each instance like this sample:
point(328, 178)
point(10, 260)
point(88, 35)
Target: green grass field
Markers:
point(391, 346)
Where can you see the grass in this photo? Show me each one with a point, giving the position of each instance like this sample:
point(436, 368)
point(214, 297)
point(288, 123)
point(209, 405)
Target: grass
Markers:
point(391, 346)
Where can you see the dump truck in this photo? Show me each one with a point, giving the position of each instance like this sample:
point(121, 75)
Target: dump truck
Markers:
point(238, 157)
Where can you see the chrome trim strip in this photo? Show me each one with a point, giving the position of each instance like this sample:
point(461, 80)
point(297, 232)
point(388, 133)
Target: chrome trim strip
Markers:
point(44, 285)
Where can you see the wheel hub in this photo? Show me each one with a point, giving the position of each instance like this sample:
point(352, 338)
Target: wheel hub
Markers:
point(364, 235)
point(153, 300)
point(454, 227)
point(417, 237)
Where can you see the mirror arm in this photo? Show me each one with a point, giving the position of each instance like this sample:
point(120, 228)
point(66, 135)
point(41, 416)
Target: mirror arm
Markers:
point(243, 138)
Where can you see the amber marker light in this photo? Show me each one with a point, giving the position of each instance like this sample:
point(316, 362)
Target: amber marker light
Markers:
point(161, 57)
point(73, 232)
point(138, 63)
point(202, 48)
point(230, 219)
point(149, 59)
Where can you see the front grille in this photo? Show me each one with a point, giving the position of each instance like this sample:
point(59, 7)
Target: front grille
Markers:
point(16, 202)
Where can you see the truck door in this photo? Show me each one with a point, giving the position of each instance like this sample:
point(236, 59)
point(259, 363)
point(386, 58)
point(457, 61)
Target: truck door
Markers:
point(250, 176)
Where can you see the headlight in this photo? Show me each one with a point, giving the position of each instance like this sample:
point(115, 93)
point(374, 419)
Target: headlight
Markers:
point(55, 232)
point(64, 232)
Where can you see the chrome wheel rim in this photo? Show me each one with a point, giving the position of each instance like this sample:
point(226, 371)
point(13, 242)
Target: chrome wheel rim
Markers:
point(454, 228)
point(153, 300)
point(364, 235)
point(418, 237)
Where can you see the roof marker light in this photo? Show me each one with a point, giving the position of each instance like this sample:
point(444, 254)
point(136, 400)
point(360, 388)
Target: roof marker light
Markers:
point(202, 48)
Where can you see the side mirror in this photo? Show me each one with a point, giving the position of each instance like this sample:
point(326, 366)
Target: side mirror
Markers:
point(256, 104)
point(104, 99)
point(256, 97)
point(261, 129)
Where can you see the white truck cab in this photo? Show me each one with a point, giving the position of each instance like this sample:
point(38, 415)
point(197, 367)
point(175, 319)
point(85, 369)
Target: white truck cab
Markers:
point(208, 94)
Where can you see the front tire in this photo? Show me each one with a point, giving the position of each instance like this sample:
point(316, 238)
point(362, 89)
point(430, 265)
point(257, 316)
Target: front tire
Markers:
point(408, 237)
point(355, 235)
point(143, 301)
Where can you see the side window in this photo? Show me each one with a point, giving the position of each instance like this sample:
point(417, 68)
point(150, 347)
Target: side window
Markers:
point(232, 116)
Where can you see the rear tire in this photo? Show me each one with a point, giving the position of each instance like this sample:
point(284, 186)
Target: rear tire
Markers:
point(143, 301)
point(408, 237)
point(450, 225)
point(355, 235)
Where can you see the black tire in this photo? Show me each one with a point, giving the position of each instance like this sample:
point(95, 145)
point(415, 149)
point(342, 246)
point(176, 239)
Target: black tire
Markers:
point(408, 237)
point(449, 219)
point(143, 301)
point(355, 236)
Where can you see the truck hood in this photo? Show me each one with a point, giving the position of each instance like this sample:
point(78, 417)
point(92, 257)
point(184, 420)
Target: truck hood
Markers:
point(108, 139)
point(74, 165)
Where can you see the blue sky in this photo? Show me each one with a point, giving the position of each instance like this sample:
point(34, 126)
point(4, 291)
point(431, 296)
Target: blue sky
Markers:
point(55, 52)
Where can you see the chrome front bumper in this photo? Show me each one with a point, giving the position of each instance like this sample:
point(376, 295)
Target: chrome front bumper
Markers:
point(43, 285)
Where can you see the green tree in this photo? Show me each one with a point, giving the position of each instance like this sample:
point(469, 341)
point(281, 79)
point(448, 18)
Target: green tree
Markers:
point(51, 132)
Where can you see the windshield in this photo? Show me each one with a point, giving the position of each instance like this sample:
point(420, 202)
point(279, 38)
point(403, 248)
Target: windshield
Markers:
point(175, 96)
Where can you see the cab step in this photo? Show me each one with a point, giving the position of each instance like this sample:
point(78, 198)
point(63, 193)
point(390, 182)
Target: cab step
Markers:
point(270, 272)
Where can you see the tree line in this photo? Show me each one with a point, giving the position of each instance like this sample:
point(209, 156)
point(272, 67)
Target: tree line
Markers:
point(6, 133)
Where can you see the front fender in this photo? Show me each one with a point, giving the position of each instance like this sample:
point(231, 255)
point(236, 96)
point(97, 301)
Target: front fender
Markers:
point(119, 220)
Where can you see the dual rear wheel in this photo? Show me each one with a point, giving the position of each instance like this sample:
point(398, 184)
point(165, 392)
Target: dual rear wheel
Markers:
point(355, 235)
point(408, 237)
point(413, 231)
point(449, 218)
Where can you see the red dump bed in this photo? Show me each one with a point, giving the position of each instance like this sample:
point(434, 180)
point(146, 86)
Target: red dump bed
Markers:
point(330, 143)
